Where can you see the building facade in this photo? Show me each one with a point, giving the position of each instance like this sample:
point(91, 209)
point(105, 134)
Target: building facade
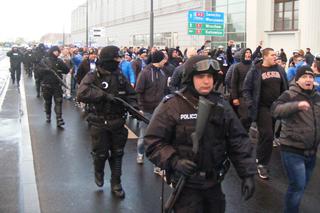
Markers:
point(279, 24)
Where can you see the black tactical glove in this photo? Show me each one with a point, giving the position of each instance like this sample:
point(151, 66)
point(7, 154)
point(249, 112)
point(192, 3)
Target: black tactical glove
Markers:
point(184, 166)
point(247, 187)
point(108, 97)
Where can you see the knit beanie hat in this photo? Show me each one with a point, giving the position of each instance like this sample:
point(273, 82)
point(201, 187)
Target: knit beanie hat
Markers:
point(302, 71)
point(157, 56)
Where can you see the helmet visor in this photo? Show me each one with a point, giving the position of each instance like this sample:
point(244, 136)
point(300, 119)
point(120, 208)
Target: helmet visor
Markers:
point(204, 65)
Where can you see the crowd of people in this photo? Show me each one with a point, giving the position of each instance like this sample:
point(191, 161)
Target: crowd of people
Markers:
point(244, 90)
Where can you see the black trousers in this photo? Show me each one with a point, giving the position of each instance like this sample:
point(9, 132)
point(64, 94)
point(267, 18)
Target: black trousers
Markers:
point(265, 124)
point(15, 73)
point(108, 145)
point(210, 200)
point(56, 94)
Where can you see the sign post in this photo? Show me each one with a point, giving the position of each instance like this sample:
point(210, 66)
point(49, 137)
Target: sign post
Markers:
point(205, 23)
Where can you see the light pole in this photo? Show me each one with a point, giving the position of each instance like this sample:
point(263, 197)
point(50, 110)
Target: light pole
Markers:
point(151, 25)
point(87, 24)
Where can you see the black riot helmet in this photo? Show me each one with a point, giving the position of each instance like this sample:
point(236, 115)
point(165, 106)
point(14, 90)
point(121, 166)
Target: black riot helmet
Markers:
point(109, 53)
point(199, 64)
point(109, 58)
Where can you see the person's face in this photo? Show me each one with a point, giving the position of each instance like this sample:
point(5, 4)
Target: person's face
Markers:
point(306, 82)
point(127, 57)
point(203, 83)
point(56, 53)
point(174, 54)
point(298, 60)
point(270, 59)
point(279, 62)
point(247, 55)
point(144, 56)
point(92, 57)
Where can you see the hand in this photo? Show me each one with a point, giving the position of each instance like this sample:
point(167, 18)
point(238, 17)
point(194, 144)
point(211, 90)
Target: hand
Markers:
point(303, 105)
point(108, 97)
point(184, 166)
point(236, 102)
point(247, 187)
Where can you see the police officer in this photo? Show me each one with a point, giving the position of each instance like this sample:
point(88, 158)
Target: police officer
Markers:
point(169, 144)
point(52, 69)
point(15, 64)
point(38, 54)
point(108, 117)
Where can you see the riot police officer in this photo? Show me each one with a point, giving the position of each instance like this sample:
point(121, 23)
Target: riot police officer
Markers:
point(37, 55)
point(15, 64)
point(108, 116)
point(52, 69)
point(169, 144)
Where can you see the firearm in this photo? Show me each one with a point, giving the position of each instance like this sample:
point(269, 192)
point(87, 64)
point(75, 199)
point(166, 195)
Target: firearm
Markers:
point(204, 108)
point(51, 70)
point(134, 112)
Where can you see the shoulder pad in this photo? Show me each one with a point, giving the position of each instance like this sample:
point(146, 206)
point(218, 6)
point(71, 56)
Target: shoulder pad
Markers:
point(167, 97)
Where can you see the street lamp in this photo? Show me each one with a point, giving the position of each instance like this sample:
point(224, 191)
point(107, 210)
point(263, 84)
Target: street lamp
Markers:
point(87, 24)
point(151, 25)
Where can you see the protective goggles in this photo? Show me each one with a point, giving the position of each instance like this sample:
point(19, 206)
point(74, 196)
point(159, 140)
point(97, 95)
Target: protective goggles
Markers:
point(204, 65)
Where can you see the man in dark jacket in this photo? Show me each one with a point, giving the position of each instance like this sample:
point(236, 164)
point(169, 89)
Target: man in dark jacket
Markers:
point(52, 69)
point(15, 64)
point(108, 117)
point(299, 111)
point(237, 79)
point(151, 88)
point(139, 63)
point(169, 144)
point(38, 54)
point(263, 84)
point(309, 57)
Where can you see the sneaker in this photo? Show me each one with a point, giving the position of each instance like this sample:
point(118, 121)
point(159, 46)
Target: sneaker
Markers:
point(276, 142)
point(263, 172)
point(158, 171)
point(140, 159)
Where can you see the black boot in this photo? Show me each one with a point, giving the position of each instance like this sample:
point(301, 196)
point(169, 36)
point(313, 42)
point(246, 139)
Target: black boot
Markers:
point(60, 122)
point(115, 162)
point(99, 178)
point(116, 188)
point(99, 161)
point(48, 118)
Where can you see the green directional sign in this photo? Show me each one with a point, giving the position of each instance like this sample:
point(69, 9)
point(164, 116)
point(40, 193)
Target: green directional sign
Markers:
point(206, 26)
point(205, 23)
point(205, 32)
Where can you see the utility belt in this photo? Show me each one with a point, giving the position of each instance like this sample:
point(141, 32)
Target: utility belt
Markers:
point(108, 122)
point(304, 152)
point(214, 175)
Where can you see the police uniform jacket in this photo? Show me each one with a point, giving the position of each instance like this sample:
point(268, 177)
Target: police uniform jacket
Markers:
point(169, 131)
point(56, 65)
point(91, 90)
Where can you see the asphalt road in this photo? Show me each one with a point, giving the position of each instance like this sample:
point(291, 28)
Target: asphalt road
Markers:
point(64, 172)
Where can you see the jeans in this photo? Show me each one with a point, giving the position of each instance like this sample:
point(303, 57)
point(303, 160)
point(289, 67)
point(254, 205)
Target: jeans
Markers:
point(299, 169)
point(142, 132)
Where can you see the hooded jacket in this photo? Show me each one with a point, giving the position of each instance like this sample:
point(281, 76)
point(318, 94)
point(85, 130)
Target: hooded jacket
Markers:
point(252, 87)
point(239, 74)
point(299, 129)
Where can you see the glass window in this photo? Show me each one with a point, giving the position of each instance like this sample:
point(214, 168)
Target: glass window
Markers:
point(286, 14)
point(236, 8)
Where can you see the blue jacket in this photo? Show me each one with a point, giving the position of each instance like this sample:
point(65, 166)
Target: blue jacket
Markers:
point(292, 71)
point(127, 71)
point(252, 88)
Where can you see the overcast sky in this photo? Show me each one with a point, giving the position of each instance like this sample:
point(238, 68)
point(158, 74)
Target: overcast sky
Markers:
point(31, 19)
